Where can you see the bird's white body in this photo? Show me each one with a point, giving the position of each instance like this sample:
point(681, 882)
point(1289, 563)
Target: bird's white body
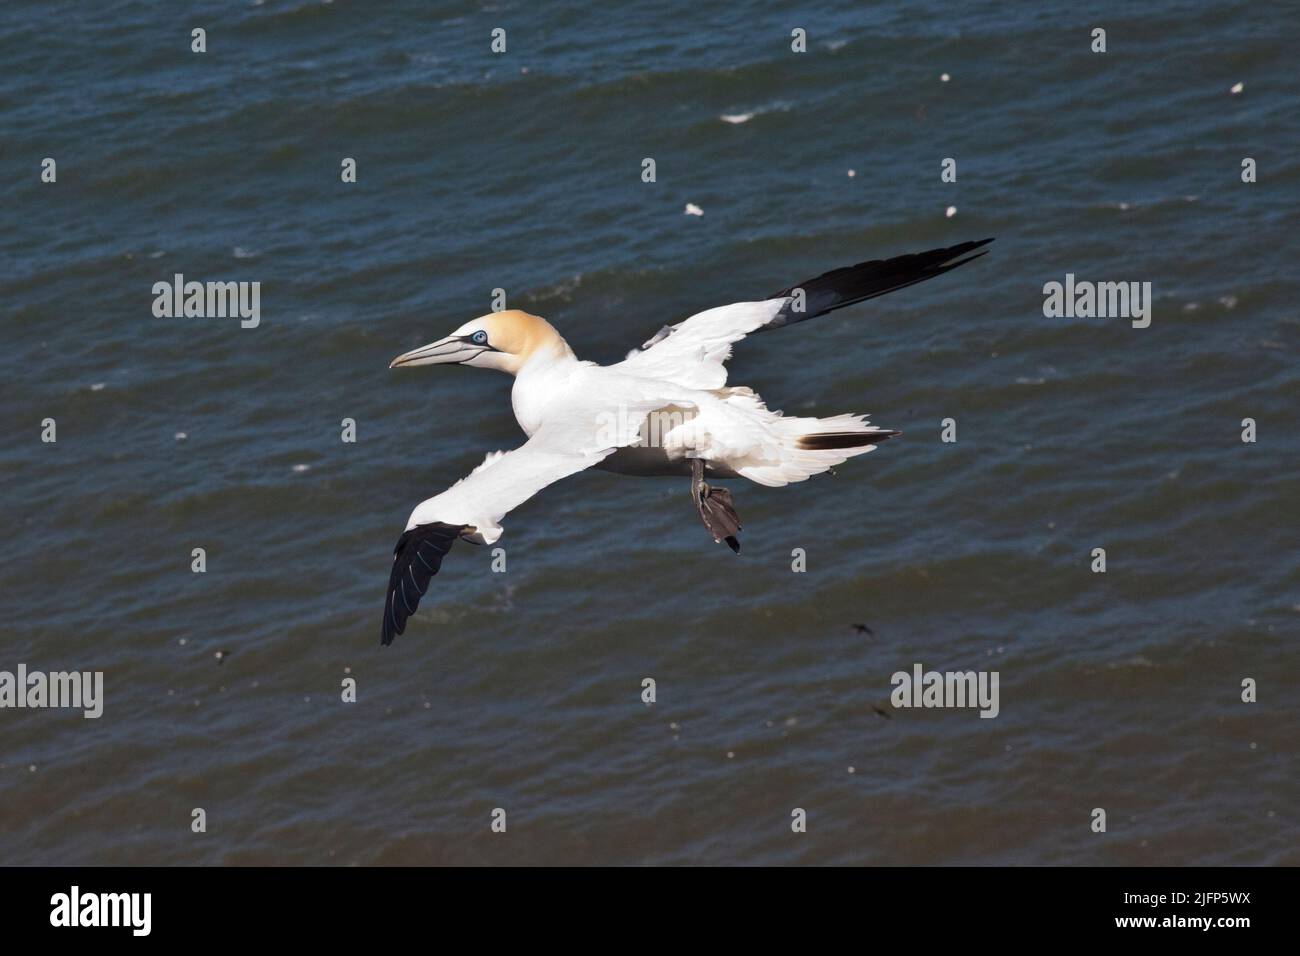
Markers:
point(642, 418)
point(664, 410)
point(729, 429)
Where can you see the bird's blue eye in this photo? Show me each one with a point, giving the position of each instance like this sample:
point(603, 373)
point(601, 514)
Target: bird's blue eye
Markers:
point(479, 337)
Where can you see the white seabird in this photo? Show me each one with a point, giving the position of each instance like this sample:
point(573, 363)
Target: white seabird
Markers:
point(664, 410)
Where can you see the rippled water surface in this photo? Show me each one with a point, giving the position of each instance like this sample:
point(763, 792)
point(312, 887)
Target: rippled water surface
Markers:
point(522, 690)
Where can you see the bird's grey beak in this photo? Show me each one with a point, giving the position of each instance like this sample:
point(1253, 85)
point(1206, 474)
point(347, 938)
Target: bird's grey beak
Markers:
point(448, 351)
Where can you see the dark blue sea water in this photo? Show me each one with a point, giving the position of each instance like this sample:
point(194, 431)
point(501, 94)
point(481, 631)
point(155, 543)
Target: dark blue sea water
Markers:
point(522, 171)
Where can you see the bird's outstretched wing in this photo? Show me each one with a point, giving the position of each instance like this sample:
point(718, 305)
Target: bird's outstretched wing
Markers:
point(472, 508)
point(692, 352)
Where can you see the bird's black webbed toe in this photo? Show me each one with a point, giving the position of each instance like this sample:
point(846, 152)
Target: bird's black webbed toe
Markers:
point(716, 508)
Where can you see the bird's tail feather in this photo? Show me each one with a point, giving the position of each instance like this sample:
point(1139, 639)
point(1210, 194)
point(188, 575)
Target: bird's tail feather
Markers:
point(866, 280)
point(811, 446)
point(829, 441)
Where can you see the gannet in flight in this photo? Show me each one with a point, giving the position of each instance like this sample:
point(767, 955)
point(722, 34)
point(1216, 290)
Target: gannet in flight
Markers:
point(663, 410)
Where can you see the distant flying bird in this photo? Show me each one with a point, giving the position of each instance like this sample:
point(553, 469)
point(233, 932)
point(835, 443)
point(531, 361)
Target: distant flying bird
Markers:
point(664, 410)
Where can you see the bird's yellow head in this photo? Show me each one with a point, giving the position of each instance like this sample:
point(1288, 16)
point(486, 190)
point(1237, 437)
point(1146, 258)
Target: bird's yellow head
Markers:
point(506, 341)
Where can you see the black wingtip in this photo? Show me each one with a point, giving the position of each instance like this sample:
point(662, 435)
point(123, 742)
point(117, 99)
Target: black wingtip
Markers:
point(391, 627)
point(416, 559)
point(867, 280)
point(961, 262)
point(733, 543)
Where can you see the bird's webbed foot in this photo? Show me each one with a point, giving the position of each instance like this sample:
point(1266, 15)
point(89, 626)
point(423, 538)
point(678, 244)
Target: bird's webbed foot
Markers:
point(715, 507)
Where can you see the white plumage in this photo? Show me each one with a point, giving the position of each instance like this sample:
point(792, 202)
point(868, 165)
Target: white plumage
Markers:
point(663, 410)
